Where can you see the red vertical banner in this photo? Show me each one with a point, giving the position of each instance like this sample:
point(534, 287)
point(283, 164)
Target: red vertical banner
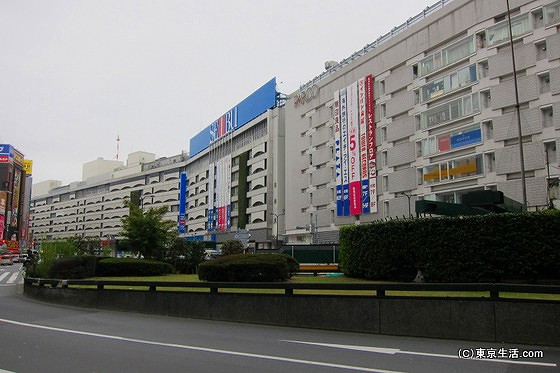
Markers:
point(354, 150)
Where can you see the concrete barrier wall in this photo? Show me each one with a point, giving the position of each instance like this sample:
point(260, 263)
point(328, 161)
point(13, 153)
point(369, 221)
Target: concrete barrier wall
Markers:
point(513, 321)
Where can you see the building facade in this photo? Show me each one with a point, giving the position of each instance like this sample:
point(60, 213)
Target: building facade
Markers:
point(14, 197)
point(427, 111)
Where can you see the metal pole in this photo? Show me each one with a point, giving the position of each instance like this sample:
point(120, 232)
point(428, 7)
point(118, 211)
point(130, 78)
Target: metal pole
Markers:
point(519, 136)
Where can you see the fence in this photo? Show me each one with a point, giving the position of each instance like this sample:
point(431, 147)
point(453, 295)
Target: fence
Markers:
point(482, 312)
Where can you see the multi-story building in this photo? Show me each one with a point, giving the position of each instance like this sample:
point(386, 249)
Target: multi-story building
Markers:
point(428, 111)
point(225, 185)
point(14, 197)
point(425, 112)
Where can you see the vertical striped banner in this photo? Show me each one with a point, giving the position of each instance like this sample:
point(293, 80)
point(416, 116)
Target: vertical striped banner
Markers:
point(337, 155)
point(364, 174)
point(355, 193)
point(344, 153)
point(371, 148)
point(211, 180)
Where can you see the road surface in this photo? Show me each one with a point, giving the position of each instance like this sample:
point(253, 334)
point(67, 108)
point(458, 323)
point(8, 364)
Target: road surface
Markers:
point(40, 337)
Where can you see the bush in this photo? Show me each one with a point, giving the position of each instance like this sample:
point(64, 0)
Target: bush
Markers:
point(132, 267)
point(248, 268)
point(489, 248)
point(232, 247)
point(76, 267)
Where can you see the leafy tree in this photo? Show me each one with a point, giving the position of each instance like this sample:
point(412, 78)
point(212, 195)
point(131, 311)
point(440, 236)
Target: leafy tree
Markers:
point(52, 250)
point(86, 245)
point(232, 247)
point(185, 256)
point(147, 232)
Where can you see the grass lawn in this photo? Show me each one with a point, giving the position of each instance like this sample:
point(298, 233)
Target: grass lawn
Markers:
point(319, 280)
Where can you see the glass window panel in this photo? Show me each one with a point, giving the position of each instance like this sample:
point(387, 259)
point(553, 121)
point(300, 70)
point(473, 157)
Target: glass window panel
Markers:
point(552, 13)
point(499, 33)
point(458, 50)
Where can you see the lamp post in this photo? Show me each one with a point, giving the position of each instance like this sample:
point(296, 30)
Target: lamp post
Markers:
point(277, 221)
point(409, 196)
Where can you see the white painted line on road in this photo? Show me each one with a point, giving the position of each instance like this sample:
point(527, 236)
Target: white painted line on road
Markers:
point(4, 275)
point(202, 349)
point(393, 351)
point(13, 278)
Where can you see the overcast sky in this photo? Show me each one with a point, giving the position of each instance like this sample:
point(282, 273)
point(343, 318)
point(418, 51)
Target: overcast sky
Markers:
point(76, 74)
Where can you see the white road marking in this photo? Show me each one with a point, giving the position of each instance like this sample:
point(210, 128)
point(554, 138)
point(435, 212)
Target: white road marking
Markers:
point(4, 275)
point(13, 278)
point(202, 349)
point(393, 351)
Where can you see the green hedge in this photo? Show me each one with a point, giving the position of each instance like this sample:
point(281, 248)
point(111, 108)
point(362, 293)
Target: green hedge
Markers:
point(248, 267)
point(76, 267)
point(132, 267)
point(494, 247)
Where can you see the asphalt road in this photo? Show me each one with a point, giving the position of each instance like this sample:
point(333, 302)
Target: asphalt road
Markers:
point(40, 337)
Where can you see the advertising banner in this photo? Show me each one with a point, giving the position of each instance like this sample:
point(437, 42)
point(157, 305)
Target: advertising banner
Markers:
point(337, 154)
point(223, 192)
point(181, 219)
point(364, 173)
point(466, 138)
point(254, 105)
point(211, 178)
point(371, 149)
point(355, 192)
point(28, 166)
point(6, 153)
point(344, 152)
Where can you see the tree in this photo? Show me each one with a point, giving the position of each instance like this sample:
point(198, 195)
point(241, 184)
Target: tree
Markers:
point(147, 232)
point(86, 245)
point(186, 255)
point(232, 247)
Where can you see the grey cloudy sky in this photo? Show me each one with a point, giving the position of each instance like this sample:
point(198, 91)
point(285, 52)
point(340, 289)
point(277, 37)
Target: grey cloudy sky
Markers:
point(75, 74)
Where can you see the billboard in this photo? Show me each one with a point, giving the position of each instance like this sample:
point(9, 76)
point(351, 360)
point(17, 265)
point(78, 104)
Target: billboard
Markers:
point(251, 107)
point(181, 219)
point(28, 167)
point(355, 151)
point(6, 153)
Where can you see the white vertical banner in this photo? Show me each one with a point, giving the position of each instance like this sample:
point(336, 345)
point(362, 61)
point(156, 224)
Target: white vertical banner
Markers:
point(344, 153)
point(355, 193)
point(337, 154)
point(211, 180)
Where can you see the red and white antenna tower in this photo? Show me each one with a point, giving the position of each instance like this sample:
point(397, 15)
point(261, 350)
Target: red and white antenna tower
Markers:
point(118, 141)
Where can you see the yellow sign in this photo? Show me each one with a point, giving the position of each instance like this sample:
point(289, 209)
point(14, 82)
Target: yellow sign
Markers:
point(28, 166)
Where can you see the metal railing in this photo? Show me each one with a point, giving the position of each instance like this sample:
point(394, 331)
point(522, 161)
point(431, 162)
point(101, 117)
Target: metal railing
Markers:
point(492, 291)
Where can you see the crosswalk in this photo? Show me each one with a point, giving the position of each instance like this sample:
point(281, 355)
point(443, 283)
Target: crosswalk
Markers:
point(8, 277)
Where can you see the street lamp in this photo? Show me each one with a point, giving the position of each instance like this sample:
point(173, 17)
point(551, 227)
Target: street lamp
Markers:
point(409, 196)
point(276, 216)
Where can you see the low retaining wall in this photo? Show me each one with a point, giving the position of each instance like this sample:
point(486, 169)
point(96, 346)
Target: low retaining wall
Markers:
point(480, 319)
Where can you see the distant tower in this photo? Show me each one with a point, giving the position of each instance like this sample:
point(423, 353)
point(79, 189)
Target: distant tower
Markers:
point(118, 141)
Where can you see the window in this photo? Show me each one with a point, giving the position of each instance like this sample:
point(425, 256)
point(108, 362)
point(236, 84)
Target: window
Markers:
point(439, 87)
point(544, 83)
point(546, 116)
point(453, 169)
point(455, 52)
point(552, 13)
point(490, 162)
point(499, 33)
point(462, 107)
point(541, 50)
point(488, 130)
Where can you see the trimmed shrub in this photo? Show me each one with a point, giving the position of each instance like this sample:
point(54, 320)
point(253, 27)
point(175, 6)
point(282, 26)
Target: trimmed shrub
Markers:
point(76, 267)
point(248, 268)
point(489, 248)
point(132, 267)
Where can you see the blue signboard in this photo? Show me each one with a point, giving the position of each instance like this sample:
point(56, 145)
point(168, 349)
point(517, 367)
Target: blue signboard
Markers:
point(181, 220)
point(257, 103)
point(466, 138)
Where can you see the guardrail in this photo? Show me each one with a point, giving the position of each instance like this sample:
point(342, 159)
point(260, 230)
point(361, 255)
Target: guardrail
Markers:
point(380, 289)
point(409, 309)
